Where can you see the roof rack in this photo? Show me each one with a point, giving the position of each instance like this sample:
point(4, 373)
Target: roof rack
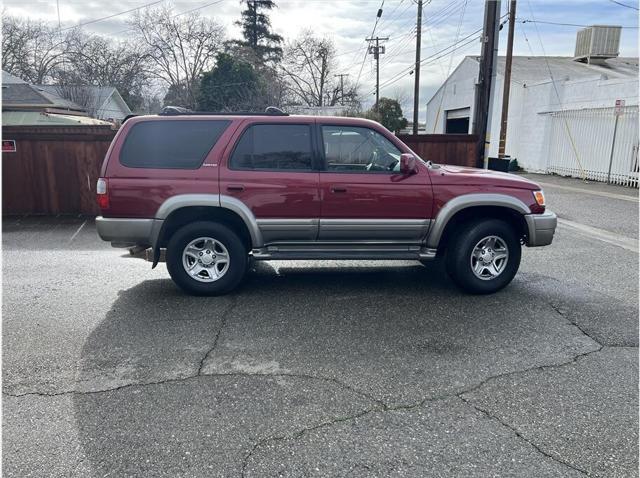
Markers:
point(180, 111)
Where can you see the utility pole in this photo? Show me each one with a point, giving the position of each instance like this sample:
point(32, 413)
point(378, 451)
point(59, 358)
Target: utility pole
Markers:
point(486, 79)
point(341, 75)
point(416, 86)
point(507, 80)
point(377, 50)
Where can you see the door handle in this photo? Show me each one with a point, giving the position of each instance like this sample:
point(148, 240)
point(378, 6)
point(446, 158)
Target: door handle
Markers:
point(338, 189)
point(235, 187)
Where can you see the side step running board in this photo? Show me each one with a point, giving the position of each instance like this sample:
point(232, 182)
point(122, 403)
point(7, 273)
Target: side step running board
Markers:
point(264, 254)
point(362, 253)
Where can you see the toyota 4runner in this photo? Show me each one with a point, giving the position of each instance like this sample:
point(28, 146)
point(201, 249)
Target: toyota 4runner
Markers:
point(214, 191)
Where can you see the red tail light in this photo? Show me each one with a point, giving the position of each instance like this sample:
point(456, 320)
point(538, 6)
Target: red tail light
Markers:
point(102, 193)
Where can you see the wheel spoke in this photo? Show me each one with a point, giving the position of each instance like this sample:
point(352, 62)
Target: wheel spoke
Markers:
point(500, 255)
point(493, 270)
point(192, 251)
point(205, 250)
point(224, 258)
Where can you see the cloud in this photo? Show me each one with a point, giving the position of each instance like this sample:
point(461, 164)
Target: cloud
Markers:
point(349, 22)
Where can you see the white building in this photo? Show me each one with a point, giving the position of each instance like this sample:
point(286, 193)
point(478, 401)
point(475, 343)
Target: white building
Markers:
point(101, 102)
point(561, 117)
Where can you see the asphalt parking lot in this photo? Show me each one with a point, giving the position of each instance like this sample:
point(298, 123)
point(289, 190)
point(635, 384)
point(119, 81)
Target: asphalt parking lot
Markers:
point(324, 368)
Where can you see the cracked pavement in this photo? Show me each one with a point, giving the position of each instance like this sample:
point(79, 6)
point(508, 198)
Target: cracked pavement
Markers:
point(332, 368)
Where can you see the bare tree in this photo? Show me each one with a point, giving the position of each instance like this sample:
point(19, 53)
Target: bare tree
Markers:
point(309, 66)
point(403, 96)
point(80, 95)
point(33, 51)
point(96, 61)
point(179, 47)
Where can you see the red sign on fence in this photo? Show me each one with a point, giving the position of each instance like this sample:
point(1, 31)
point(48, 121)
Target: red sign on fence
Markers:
point(619, 107)
point(8, 146)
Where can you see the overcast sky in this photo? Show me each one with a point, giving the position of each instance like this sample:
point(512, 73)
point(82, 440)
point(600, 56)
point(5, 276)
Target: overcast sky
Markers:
point(349, 22)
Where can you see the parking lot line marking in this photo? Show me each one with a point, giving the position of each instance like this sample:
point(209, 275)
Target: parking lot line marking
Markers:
point(622, 197)
point(602, 235)
point(77, 231)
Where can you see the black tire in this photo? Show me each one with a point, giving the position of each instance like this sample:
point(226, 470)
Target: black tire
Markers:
point(237, 252)
point(459, 252)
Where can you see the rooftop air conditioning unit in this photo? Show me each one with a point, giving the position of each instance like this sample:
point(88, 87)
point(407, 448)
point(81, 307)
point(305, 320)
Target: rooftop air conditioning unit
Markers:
point(596, 43)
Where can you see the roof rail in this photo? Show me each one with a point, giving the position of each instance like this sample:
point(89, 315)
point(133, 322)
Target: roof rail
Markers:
point(180, 111)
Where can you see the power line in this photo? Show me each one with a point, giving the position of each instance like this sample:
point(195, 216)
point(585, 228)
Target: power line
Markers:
point(398, 48)
point(432, 59)
point(453, 45)
point(366, 51)
point(388, 18)
point(409, 68)
point(441, 15)
point(624, 5)
point(526, 20)
point(198, 8)
point(404, 25)
point(111, 16)
point(174, 16)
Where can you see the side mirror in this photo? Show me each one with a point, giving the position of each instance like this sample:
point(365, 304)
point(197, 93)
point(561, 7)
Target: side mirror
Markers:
point(408, 164)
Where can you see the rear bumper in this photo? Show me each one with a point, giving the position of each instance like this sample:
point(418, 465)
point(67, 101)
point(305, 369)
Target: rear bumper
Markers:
point(125, 232)
point(541, 228)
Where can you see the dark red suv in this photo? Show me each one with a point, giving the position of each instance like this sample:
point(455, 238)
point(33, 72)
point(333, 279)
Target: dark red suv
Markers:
point(217, 190)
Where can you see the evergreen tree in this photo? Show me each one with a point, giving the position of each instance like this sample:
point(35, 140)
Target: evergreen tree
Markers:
point(389, 114)
point(232, 85)
point(256, 31)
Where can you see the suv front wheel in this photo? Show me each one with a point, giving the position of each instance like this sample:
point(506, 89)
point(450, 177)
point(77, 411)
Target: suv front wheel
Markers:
point(206, 258)
point(484, 256)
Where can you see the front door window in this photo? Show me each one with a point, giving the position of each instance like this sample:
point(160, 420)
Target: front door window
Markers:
point(359, 150)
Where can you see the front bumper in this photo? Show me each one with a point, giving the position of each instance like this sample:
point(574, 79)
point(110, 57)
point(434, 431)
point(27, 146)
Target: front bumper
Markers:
point(541, 228)
point(126, 232)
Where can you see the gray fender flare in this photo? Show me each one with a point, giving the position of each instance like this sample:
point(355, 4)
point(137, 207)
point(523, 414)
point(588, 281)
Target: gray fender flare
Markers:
point(465, 201)
point(211, 200)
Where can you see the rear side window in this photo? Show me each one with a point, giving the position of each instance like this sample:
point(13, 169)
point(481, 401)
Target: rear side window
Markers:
point(171, 144)
point(274, 146)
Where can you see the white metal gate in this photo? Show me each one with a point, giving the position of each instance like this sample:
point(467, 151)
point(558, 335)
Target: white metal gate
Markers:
point(600, 155)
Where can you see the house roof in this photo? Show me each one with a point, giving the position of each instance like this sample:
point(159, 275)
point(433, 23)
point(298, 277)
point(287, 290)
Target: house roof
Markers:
point(8, 78)
point(98, 96)
point(18, 94)
point(532, 69)
point(21, 94)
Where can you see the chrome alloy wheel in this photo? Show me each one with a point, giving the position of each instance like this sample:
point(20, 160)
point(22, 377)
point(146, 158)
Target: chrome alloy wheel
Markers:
point(489, 257)
point(205, 259)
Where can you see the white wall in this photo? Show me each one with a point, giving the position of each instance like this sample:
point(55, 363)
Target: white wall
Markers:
point(111, 109)
point(529, 129)
point(528, 132)
point(459, 92)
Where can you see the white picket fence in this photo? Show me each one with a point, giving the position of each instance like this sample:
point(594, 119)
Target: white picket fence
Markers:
point(590, 133)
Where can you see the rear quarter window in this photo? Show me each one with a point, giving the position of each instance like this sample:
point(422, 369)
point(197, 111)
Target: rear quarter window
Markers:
point(171, 144)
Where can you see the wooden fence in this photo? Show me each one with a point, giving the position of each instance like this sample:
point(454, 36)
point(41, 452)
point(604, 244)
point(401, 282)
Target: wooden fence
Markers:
point(54, 169)
point(457, 149)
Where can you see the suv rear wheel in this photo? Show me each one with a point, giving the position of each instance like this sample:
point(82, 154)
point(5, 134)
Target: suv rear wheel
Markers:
point(484, 256)
point(206, 258)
